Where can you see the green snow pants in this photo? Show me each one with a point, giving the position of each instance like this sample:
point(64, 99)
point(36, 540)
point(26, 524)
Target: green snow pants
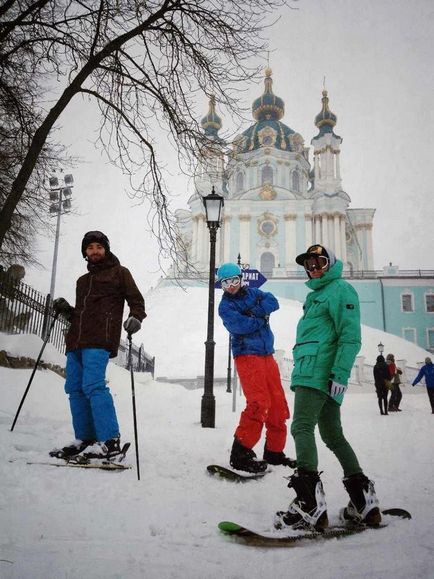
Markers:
point(312, 407)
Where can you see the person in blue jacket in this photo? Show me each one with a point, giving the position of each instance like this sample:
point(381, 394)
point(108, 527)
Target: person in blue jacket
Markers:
point(245, 313)
point(427, 372)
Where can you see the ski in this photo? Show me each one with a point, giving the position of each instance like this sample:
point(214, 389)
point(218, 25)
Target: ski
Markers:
point(234, 475)
point(289, 538)
point(101, 465)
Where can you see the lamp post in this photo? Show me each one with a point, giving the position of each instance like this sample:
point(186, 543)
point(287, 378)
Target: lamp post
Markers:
point(213, 208)
point(380, 348)
point(60, 197)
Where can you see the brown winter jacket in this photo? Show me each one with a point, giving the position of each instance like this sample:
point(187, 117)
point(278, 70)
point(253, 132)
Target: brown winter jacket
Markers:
point(96, 321)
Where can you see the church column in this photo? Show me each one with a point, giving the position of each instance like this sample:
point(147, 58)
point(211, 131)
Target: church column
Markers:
point(290, 240)
point(325, 229)
point(194, 242)
point(343, 240)
point(227, 238)
point(316, 167)
point(369, 248)
point(201, 247)
point(338, 165)
point(244, 237)
point(308, 229)
point(337, 232)
point(317, 228)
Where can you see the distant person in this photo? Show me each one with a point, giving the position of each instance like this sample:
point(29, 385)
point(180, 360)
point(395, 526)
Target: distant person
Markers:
point(328, 340)
point(427, 372)
point(245, 313)
point(93, 338)
point(381, 378)
point(394, 373)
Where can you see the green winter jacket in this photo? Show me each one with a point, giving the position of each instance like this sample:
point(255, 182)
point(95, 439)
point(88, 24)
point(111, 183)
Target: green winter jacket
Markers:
point(328, 334)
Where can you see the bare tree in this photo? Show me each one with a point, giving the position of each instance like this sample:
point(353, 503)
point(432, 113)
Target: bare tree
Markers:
point(144, 62)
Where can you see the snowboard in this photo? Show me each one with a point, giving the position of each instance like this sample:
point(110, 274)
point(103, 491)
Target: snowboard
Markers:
point(288, 538)
point(100, 465)
point(81, 461)
point(234, 475)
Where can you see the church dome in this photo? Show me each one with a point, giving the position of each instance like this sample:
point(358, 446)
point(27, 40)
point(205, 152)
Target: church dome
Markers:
point(211, 122)
point(268, 106)
point(268, 131)
point(325, 120)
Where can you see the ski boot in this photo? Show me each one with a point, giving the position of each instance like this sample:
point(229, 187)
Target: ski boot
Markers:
point(105, 451)
point(308, 510)
point(245, 459)
point(363, 507)
point(277, 458)
point(72, 449)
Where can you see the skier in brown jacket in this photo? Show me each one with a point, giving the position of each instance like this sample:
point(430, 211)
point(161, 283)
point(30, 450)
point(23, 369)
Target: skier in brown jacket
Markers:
point(93, 338)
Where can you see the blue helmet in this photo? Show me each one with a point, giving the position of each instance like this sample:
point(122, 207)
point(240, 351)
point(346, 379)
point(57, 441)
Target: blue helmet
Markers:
point(228, 270)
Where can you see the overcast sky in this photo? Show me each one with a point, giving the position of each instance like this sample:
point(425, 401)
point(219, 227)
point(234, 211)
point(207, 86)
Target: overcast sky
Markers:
point(376, 57)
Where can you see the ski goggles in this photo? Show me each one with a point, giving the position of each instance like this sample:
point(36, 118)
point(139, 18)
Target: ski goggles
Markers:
point(230, 282)
point(316, 263)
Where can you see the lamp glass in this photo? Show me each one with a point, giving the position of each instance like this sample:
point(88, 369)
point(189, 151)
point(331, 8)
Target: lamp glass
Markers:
point(213, 207)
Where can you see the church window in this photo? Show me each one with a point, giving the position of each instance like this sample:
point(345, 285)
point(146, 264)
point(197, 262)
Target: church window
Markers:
point(429, 303)
point(267, 264)
point(239, 182)
point(267, 175)
point(268, 227)
point(407, 304)
point(296, 181)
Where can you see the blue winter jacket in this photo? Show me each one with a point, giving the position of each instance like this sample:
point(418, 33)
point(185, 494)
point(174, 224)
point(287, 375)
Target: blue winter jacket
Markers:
point(245, 316)
point(426, 372)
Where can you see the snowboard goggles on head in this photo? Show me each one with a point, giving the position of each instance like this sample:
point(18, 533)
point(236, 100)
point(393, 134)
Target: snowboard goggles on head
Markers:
point(316, 262)
point(230, 281)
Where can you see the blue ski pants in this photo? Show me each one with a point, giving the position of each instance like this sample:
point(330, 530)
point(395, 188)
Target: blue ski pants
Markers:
point(92, 408)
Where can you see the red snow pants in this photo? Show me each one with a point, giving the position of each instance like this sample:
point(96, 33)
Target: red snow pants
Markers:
point(265, 402)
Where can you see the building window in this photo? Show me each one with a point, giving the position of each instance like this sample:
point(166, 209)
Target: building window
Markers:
point(407, 304)
point(267, 175)
point(267, 263)
point(296, 181)
point(239, 182)
point(429, 302)
point(430, 339)
point(409, 334)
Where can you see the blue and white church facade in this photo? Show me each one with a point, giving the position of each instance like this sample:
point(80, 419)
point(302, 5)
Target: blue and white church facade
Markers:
point(280, 197)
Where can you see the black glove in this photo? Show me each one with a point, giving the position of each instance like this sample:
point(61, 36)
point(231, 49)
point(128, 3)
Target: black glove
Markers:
point(61, 306)
point(132, 325)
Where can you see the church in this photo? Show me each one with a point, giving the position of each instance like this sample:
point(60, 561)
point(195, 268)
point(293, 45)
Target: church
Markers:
point(281, 196)
point(277, 201)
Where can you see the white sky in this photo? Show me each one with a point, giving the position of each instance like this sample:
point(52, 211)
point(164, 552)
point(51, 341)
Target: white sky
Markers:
point(376, 56)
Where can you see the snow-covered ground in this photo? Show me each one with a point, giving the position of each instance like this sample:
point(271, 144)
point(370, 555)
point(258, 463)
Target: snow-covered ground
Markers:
point(60, 523)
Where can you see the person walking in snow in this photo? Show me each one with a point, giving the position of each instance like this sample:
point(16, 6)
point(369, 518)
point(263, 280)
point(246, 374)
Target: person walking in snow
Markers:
point(427, 372)
point(381, 378)
point(394, 377)
point(92, 339)
point(328, 340)
point(245, 313)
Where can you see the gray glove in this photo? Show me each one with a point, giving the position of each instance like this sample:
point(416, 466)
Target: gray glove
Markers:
point(132, 325)
point(62, 307)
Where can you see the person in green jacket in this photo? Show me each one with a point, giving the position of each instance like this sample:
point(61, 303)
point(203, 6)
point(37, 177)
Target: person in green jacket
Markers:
point(328, 340)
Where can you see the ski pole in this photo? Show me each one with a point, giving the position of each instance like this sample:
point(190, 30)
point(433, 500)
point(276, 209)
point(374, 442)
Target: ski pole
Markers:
point(130, 362)
point(34, 370)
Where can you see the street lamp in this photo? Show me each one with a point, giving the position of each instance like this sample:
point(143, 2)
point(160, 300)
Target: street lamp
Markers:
point(213, 208)
point(60, 197)
point(380, 348)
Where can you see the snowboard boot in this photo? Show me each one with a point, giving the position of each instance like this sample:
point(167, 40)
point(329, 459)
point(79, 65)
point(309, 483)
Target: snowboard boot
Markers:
point(308, 510)
point(363, 506)
point(72, 449)
point(245, 459)
point(104, 450)
point(277, 458)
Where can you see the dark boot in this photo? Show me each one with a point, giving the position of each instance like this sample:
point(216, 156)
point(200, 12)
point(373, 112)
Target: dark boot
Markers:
point(72, 449)
point(243, 458)
point(277, 458)
point(104, 450)
point(363, 506)
point(308, 509)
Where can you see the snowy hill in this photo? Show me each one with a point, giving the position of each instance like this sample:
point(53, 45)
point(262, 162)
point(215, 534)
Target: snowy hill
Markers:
point(60, 523)
point(179, 317)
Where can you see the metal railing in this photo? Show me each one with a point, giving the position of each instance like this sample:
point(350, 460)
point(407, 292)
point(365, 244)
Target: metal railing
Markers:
point(23, 310)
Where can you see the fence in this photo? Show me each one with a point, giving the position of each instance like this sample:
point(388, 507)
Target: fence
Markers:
point(24, 310)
